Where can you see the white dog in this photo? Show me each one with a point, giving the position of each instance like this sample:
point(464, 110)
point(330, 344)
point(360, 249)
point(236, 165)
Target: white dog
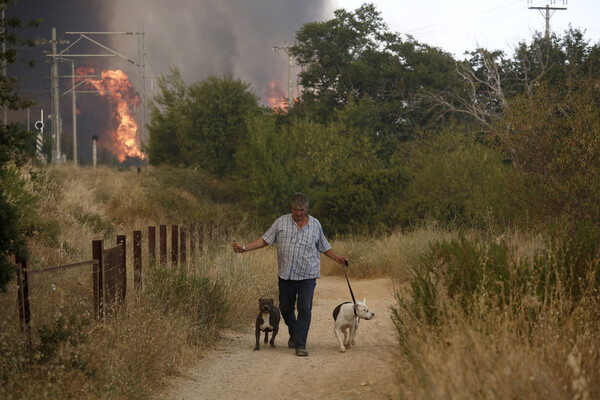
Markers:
point(346, 316)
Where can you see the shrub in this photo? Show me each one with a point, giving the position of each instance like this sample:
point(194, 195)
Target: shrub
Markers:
point(192, 294)
point(570, 263)
point(455, 179)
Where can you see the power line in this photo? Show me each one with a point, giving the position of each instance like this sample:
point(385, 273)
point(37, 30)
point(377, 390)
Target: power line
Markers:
point(467, 18)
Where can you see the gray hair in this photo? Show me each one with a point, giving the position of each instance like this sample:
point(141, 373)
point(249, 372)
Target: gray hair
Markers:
point(300, 200)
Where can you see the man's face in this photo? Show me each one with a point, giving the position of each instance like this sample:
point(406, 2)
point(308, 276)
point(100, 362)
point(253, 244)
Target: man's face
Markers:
point(298, 213)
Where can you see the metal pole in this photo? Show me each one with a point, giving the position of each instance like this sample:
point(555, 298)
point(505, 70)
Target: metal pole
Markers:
point(290, 86)
point(286, 48)
point(56, 152)
point(74, 114)
point(4, 108)
point(94, 151)
point(142, 74)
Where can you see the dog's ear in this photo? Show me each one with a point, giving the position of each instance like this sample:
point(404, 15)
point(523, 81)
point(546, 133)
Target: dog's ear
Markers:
point(365, 300)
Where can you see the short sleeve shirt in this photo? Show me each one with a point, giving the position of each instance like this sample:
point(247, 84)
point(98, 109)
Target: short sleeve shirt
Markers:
point(298, 250)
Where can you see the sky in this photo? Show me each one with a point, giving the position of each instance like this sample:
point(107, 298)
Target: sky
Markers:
point(463, 25)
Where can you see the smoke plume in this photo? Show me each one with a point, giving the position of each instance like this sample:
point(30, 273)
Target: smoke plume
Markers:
point(225, 37)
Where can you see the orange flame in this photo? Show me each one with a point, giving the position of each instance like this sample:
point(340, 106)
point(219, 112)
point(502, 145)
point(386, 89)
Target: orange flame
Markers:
point(115, 86)
point(274, 95)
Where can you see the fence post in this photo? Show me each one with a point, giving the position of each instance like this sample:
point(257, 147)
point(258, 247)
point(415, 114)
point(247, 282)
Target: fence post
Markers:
point(152, 244)
point(163, 245)
point(97, 250)
point(137, 259)
point(182, 245)
point(200, 236)
point(24, 305)
point(174, 244)
point(123, 239)
point(192, 228)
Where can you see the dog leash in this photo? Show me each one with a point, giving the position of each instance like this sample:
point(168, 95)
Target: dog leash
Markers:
point(248, 273)
point(350, 287)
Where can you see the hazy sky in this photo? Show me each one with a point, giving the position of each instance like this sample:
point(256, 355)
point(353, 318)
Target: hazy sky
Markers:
point(459, 25)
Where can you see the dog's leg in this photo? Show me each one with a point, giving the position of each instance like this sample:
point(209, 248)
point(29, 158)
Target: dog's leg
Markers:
point(273, 334)
point(266, 337)
point(346, 337)
point(353, 329)
point(336, 330)
point(257, 347)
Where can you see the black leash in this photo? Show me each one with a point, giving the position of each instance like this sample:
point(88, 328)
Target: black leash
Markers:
point(248, 273)
point(350, 287)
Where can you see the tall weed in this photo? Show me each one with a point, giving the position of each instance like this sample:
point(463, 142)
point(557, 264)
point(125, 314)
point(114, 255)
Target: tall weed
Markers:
point(480, 322)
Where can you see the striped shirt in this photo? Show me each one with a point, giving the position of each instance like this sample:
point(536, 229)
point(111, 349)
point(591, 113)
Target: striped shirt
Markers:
point(298, 250)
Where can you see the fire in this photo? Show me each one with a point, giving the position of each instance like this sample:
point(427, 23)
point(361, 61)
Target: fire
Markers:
point(274, 95)
point(116, 87)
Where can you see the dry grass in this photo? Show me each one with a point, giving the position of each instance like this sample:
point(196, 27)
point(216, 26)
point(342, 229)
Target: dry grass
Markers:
point(390, 255)
point(130, 354)
point(524, 350)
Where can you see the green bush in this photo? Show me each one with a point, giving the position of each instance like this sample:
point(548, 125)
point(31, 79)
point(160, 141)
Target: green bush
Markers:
point(179, 291)
point(53, 366)
point(361, 201)
point(454, 179)
point(483, 275)
point(466, 271)
point(570, 262)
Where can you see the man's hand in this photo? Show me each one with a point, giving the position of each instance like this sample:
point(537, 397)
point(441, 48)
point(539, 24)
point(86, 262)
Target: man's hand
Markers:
point(338, 259)
point(237, 248)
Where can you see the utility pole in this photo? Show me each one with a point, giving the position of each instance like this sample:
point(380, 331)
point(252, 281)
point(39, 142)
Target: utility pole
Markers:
point(547, 12)
point(74, 113)
point(56, 152)
point(4, 108)
point(286, 49)
point(142, 78)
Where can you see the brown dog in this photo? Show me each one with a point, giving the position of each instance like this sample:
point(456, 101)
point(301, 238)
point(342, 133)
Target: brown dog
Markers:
point(267, 321)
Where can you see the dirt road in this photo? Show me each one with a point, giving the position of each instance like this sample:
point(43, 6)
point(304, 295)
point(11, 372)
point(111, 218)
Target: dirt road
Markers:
point(234, 371)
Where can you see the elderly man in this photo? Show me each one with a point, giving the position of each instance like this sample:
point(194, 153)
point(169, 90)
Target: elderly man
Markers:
point(300, 242)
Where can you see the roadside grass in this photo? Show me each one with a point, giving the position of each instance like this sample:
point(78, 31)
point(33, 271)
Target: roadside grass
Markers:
point(390, 255)
point(161, 329)
point(512, 318)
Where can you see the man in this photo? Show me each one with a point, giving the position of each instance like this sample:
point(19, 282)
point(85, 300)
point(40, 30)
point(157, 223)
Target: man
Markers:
point(300, 240)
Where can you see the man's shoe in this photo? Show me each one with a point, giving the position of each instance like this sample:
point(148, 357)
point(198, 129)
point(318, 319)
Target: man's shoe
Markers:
point(291, 342)
point(301, 352)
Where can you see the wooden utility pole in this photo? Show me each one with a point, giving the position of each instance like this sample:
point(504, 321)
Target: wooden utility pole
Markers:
point(547, 12)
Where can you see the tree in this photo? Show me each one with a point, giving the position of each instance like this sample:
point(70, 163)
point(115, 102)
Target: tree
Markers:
point(218, 109)
point(166, 118)
point(552, 138)
point(354, 57)
point(275, 161)
point(13, 145)
point(200, 124)
point(339, 57)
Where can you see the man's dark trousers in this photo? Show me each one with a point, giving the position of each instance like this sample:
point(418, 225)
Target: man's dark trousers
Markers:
point(289, 292)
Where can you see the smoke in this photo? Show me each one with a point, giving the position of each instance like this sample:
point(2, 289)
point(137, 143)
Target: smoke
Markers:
point(203, 37)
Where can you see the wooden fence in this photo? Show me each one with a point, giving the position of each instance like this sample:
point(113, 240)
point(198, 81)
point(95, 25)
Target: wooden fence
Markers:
point(104, 284)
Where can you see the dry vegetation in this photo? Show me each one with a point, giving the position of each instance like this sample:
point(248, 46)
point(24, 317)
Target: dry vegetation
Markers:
point(525, 347)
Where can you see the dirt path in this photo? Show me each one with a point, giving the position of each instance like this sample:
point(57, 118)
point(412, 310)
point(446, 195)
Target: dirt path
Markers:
point(234, 371)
